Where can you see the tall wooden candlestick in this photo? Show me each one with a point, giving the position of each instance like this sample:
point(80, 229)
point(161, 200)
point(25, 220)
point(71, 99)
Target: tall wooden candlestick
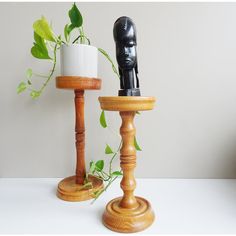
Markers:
point(127, 214)
point(72, 188)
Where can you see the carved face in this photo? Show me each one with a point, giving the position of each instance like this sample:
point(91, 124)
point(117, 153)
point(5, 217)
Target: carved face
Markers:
point(125, 38)
point(126, 55)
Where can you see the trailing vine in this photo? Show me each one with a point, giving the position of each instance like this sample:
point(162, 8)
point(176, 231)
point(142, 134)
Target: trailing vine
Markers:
point(45, 46)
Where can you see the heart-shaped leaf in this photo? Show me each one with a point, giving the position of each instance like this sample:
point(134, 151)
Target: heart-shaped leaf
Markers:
point(117, 173)
point(108, 150)
point(92, 167)
point(103, 120)
point(43, 29)
point(35, 94)
point(75, 16)
point(67, 30)
point(38, 52)
point(21, 87)
point(99, 165)
point(40, 41)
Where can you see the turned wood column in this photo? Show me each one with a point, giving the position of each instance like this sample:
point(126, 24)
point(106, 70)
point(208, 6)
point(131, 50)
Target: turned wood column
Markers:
point(129, 213)
point(79, 136)
point(71, 188)
point(128, 160)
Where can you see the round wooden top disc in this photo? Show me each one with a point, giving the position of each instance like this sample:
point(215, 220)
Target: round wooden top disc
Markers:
point(127, 103)
point(77, 82)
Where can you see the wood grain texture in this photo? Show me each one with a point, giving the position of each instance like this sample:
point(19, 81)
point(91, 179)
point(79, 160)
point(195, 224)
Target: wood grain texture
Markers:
point(126, 103)
point(128, 221)
point(79, 136)
point(128, 214)
point(128, 160)
point(69, 190)
point(78, 82)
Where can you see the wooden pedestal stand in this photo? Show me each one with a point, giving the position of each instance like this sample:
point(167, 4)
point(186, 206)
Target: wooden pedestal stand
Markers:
point(71, 188)
point(127, 214)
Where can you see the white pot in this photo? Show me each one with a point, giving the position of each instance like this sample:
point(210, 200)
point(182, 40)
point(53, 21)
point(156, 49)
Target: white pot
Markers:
point(79, 60)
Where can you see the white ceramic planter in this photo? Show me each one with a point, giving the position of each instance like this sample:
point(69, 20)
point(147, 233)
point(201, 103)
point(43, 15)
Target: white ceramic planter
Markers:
point(79, 60)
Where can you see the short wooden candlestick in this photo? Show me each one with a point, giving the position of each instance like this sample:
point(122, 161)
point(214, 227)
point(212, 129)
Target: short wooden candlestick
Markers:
point(127, 214)
point(71, 188)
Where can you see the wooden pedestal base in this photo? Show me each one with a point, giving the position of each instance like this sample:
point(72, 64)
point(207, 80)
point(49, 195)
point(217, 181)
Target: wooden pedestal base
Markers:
point(127, 214)
point(69, 190)
point(124, 220)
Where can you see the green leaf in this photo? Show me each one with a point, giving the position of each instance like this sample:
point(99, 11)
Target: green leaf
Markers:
point(103, 120)
point(70, 28)
point(92, 167)
point(137, 147)
point(59, 39)
point(110, 60)
point(66, 33)
point(99, 165)
point(117, 173)
point(38, 52)
point(108, 150)
point(29, 82)
point(40, 41)
point(75, 16)
point(21, 87)
point(35, 94)
point(29, 73)
point(43, 29)
point(67, 30)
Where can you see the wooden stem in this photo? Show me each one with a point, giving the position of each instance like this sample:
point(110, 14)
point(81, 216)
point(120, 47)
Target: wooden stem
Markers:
point(80, 136)
point(128, 160)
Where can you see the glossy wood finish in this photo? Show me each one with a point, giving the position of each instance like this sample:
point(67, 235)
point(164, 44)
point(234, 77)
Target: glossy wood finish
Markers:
point(128, 160)
point(77, 82)
point(127, 103)
point(70, 189)
point(79, 136)
point(128, 214)
point(125, 220)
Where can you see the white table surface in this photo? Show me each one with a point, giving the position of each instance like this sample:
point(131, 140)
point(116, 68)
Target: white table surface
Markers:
point(30, 205)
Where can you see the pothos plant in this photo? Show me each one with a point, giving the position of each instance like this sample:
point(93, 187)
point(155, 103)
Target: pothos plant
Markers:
point(47, 43)
point(45, 47)
point(97, 168)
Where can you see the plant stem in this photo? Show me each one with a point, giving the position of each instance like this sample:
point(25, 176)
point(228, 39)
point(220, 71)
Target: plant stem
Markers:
point(110, 164)
point(112, 131)
point(42, 76)
point(103, 190)
point(86, 185)
point(81, 32)
point(81, 37)
point(105, 174)
point(104, 53)
point(53, 68)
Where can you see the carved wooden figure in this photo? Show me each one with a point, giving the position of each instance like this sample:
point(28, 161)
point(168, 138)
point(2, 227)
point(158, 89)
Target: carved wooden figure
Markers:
point(129, 213)
point(71, 188)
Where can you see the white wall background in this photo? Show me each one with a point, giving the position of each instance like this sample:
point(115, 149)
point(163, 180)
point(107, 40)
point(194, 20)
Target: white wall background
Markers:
point(187, 60)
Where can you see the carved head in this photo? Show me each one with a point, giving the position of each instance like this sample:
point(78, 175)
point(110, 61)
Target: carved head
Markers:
point(124, 33)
